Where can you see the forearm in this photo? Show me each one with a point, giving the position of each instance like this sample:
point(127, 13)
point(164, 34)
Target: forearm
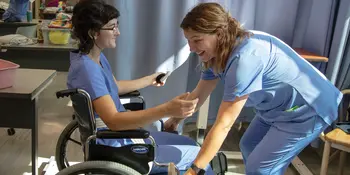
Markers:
point(211, 145)
point(227, 115)
point(136, 119)
point(126, 86)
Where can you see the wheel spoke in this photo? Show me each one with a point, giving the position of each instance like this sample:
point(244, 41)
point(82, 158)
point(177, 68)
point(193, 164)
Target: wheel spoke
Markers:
point(66, 161)
point(75, 141)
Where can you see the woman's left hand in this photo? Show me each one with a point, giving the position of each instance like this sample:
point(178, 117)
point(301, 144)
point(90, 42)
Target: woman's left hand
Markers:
point(153, 79)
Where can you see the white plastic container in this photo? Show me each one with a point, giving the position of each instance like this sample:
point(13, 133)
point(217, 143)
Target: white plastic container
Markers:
point(56, 36)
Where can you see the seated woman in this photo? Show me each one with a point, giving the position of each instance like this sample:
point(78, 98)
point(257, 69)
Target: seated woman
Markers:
point(95, 26)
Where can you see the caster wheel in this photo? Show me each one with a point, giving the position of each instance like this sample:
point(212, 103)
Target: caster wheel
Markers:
point(11, 131)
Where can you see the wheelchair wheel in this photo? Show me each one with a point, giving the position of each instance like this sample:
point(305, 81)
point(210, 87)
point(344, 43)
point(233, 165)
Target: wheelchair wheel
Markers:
point(98, 167)
point(64, 140)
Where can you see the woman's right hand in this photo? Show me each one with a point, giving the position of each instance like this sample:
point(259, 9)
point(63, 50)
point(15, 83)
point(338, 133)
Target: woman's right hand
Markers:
point(179, 107)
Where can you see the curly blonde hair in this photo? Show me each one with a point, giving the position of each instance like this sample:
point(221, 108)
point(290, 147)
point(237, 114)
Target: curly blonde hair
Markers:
point(211, 18)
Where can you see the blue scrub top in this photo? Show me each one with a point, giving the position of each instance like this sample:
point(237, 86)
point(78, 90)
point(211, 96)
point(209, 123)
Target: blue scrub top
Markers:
point(277, 79)
point(98, 81)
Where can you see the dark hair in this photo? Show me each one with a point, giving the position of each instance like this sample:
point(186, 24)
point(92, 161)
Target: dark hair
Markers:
point(211, 18)
point(90, 16)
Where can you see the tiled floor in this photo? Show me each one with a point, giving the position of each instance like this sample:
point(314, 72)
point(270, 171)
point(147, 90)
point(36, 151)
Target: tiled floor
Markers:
point(54, 115)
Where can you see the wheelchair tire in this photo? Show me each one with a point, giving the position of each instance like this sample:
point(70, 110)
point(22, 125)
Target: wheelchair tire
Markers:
point(98, 167)
point(61, 145)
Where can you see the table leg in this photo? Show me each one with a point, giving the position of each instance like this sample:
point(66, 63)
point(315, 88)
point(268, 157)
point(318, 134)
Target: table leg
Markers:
point(35, 138)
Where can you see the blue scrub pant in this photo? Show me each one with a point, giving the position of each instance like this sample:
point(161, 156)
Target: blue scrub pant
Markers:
point(267, 149)
point(175, 148)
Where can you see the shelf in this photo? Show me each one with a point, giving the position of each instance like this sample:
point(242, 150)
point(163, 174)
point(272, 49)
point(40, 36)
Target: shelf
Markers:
point(38, 46)
point(312, 57)
point(18, 24)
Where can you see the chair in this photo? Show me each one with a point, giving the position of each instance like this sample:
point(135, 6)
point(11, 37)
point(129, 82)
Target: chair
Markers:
point(132, 101)
point(337, 139)
point(27, 31)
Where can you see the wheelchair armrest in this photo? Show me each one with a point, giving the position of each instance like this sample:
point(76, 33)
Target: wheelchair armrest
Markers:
point(66, 93)
point(126, 134)
point(130, 94)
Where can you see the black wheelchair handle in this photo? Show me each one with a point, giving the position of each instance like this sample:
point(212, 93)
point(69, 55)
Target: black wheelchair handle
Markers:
point(66, 93)
point(130, 94)
point(126, 134)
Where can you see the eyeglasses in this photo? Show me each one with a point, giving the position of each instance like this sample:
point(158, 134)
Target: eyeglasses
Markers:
point(114, 27)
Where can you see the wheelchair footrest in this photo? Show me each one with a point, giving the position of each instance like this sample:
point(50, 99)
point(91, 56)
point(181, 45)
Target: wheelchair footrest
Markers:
point(219, 163)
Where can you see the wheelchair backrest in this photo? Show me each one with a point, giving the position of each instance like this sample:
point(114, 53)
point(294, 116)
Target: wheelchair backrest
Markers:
point(84, 113)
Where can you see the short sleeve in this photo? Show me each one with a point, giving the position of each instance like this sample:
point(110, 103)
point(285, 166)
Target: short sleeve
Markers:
point(208, 74)
point(91, 79)
point(243, 76)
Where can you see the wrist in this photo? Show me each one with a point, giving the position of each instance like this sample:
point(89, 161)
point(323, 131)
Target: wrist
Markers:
point(149, 80)
point(197, 170)
point(164, 109)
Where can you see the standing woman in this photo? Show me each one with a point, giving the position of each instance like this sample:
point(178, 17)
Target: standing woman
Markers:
point(294, 102)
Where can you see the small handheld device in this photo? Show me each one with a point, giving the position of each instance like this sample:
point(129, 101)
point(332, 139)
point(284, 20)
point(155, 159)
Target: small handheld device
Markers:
point(162, 77)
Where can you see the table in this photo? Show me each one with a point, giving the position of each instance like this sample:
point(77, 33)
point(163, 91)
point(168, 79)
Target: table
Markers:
point(18, 104)
point(39, 56)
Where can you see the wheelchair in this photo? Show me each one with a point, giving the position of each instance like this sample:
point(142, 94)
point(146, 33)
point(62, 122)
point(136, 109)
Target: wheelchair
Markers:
point(130, 159)
point(70, 134)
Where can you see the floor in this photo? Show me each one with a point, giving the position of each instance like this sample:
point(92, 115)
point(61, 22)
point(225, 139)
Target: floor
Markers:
point(54, 115)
